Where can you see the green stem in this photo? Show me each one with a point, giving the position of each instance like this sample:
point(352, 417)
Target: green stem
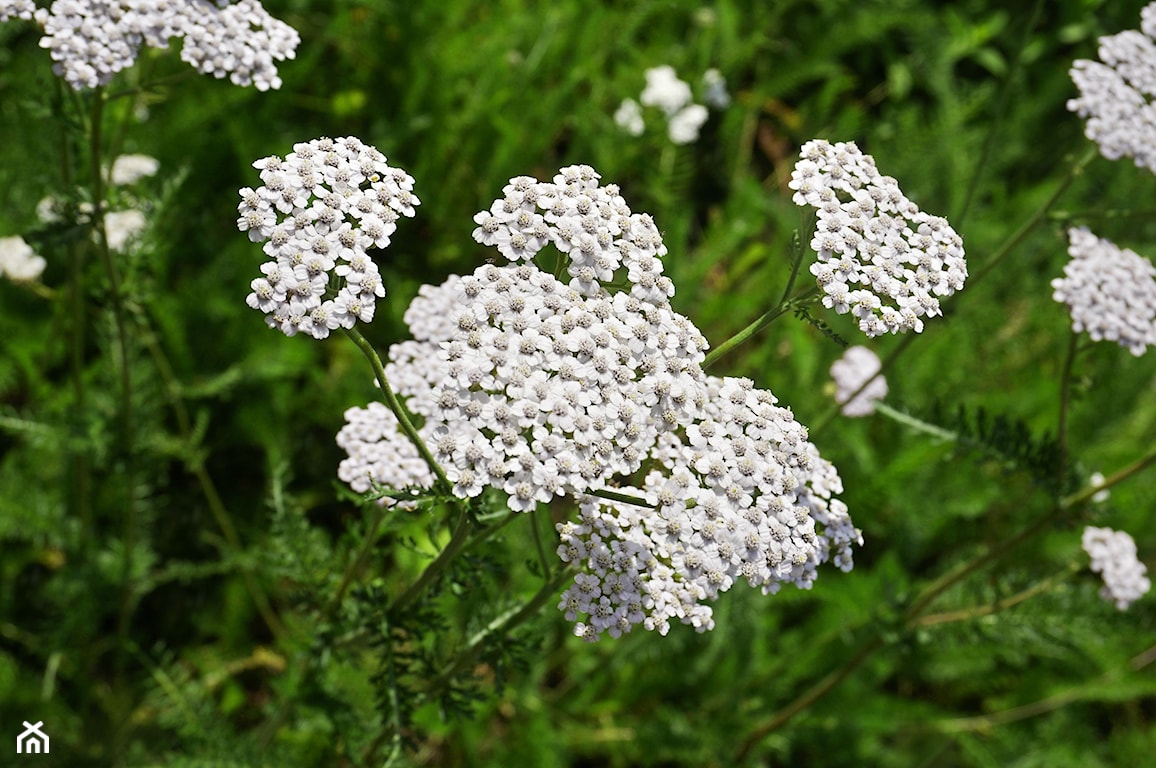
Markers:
point(757, 325)
point(394, 404)
point(884, 366)
point(917, 424)
point(1086, 494)
point(503, 624)
point(624, 498)
point(457, 540)
point(1065, 403)
point(965, 614)
point(1009, 245)
point(534, 526)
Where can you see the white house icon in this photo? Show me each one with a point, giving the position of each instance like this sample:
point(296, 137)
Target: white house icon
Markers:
point(33, 741)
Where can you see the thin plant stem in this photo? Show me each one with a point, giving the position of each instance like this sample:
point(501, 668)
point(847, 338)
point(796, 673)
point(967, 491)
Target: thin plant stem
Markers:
point(503, 624)
point(996, 121)
point(1065, 405)
point(394, 404)
point(537, 534)
point(458, 539)
point(885, 365)
point(975, 612)
point(757, 325)
point(355, 565)
point(915, 423)
point(623, 498)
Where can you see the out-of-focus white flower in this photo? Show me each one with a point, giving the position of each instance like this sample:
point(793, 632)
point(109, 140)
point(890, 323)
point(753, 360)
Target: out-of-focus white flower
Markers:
point(874, 245)
point(856, 366)
point(129, 169)
point(1116, 93)
point(1110, 292)
point(628, 117)
point(1113, 556)
point(18, 262)
point(715, 90)
point(1096, 480)
point(91, 40)
point(684, 125)
point(122, 227)
point(665, 90)
point(48, 210)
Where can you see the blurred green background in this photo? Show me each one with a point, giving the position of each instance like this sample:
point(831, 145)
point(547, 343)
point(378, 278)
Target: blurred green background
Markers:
point(962, 102)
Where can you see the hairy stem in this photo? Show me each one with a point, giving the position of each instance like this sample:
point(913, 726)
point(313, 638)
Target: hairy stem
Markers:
point(432, 571)
point(757, 325)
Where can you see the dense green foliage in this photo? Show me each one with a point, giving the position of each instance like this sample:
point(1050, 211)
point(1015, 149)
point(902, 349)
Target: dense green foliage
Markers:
point(208, 594)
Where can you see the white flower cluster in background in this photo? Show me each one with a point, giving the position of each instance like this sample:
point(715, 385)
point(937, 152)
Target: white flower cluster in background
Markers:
point(672, 96)
point(92, 40)
point(319, 211)
point(1110, 292)
point(880, 257)
point(1113, 555)
point(18, 262)
point(122, 228)
point(1116, 92)
point(856, 367)
point(539, 389)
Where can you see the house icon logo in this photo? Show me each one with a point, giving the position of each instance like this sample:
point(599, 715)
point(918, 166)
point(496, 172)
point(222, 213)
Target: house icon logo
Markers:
point(33, 741)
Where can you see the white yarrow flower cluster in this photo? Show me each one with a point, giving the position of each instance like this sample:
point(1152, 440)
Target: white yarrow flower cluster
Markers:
point(91, 40)
point(1116, 93)
point(742, 495)
point(666, 92)
point(540, 389)
point(319, 211)
point(18, 262)
point(880, 257)
point(1110, 292)
point(857, 366)
point(1113, 555)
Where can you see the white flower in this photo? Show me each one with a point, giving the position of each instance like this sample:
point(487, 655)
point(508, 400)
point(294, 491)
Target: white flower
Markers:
point(1096, 480)
point(874, 245)
point(1116, 93)
point(18, 262)
point(122, 227)
point(129, 169)
point(318, 211)
point(16, 9)
point(628, 117)
point(715, 86)
point(1111, 293)
point(1113, 555)
point(665, 90)
point(851, 371)
point(684, 125)
point(91, 40)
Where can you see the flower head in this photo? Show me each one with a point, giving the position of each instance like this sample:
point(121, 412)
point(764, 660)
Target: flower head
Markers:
point(91, 40)
point(1116, 93)
point(857, 366)
point(880, 257)
point(1113, 555)
point(18, 262)
point(318, 212)
point(129, 169)
point(1111, 293)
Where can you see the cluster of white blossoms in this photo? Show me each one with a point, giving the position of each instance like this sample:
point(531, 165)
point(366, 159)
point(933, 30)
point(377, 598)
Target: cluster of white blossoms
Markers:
point(667, 92)
point(1110, 292)
point(18, 262)
point(741, 494)
point(122, 228)
point(319, 211)
point(880, 257)
point(1113, 555)
point(857, 366)
point(1116, 92)
point(91, 40)
point(538, 389)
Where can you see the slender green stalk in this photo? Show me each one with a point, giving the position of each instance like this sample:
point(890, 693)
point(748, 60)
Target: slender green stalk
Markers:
point(1080, 497)
point(542, 559)
point(503, 624)
point(757, 325)
point(1065, 403)
point(355, 565)
point(457, 540)
point(997, 114)
point(624, 498)
point(884, 366)
point(915, 423)
point(394, 404)
point(975, 612)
